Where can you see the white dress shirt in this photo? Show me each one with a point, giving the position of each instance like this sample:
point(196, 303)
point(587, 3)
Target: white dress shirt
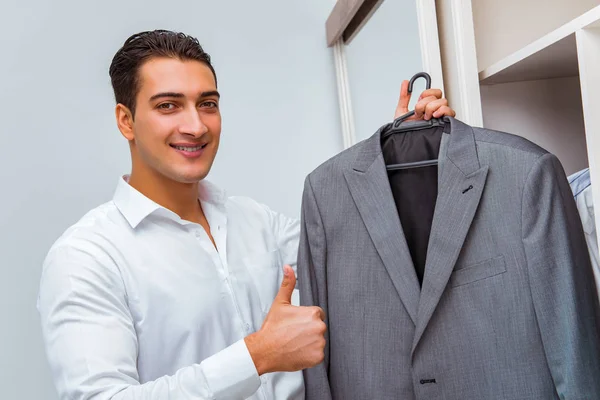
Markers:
point(581, 184)
point(136, 303)
point(585, 206)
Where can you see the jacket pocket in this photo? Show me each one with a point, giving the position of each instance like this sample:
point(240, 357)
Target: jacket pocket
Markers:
point(476, 272)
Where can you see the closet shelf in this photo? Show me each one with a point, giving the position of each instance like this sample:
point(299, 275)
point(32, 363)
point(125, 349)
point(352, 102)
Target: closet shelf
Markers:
point(552, 56)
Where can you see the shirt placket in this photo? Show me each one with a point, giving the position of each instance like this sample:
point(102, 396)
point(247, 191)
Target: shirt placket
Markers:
point(217, 220)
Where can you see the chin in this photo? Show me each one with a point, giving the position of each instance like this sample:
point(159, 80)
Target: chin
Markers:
point(187, 177)
point(186, 173)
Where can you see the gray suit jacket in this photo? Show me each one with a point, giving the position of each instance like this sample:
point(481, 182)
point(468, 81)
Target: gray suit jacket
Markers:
point(507, 309)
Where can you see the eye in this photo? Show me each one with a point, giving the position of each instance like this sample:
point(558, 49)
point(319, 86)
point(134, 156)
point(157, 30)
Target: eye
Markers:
point(166, 106)
point(209, 104)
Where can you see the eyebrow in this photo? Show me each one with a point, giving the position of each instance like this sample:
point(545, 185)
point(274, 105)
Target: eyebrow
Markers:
point(180, 95)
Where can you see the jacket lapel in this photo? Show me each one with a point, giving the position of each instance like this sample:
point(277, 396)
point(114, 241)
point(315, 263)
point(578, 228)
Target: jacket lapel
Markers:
point(461, 184)
point(370, 188)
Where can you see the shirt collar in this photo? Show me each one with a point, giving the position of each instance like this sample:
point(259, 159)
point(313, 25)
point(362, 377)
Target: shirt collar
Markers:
point(135, 207)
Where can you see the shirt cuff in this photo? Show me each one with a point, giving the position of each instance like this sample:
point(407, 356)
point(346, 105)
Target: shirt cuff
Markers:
point(231, 373)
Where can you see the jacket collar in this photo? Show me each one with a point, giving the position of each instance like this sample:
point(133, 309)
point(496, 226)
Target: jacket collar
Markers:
point(460, 148)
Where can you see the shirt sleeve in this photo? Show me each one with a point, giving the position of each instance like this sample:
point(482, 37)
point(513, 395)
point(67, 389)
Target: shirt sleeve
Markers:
point(561, 281)
point(287, 233)
point(91, 342)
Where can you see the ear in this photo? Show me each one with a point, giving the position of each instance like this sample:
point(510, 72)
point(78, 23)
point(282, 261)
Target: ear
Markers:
point(124, 121)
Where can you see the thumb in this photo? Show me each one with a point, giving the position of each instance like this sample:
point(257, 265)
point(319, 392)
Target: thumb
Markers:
point(284, 296)
point(403, 101)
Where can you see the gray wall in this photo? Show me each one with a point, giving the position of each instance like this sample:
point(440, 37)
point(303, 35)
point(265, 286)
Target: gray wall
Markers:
point(384, 53)
point(61, 153)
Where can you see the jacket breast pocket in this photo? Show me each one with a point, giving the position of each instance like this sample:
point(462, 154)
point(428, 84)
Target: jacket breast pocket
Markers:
point(266, 270)
point(477, 272)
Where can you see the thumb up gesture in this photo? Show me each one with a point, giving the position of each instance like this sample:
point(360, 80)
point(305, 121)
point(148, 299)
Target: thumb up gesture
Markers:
point(291, 338)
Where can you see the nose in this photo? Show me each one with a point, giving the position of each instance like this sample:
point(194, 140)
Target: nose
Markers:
point(192, 124)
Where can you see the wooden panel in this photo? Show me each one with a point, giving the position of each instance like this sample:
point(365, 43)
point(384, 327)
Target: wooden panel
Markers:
point(340, 17)
point(347, 17)
point(364, 13)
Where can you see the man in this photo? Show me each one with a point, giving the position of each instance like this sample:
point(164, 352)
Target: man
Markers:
point(171, 290)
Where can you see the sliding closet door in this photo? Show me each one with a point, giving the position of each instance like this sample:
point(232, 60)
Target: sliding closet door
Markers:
point(378, 58)
point(378, 44)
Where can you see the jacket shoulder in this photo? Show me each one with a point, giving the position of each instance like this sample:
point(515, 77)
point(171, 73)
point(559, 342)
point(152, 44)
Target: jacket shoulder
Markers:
point(507, 140)
point(336, 165)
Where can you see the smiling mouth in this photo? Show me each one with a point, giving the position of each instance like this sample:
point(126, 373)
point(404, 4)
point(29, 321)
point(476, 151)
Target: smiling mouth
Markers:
point(190, 148)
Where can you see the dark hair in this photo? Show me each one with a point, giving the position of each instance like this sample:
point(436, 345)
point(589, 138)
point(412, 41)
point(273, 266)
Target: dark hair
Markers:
point(139, 48)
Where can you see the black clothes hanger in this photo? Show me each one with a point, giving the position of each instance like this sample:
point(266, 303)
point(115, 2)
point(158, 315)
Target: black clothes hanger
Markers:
point(411, 84)
point(397, 127)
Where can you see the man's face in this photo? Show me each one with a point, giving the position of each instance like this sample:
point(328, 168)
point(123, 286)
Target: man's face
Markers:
point(177, 122)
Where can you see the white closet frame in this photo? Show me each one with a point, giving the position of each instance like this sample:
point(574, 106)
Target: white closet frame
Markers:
point(464, 57)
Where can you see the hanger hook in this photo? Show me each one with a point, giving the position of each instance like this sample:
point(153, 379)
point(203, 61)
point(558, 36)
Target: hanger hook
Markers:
point(417, 76)
point(427, 77)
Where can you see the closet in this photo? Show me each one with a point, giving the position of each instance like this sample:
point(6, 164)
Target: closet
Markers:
point(531, 68)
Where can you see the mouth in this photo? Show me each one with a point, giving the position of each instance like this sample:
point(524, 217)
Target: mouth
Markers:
point(189, 150)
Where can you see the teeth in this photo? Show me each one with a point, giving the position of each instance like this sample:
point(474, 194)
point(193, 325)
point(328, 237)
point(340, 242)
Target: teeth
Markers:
point(188, 148)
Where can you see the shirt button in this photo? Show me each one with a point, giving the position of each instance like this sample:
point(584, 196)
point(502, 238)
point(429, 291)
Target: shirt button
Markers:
point(247, 327)
point(264, 380)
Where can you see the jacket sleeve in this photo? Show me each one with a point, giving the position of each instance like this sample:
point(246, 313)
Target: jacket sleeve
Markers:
point(312, 273)
point(561, 281)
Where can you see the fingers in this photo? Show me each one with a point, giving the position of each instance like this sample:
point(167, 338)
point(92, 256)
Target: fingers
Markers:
point(403, 101)
point(421, 106)
point(437, 93)
point(433, 107)
point(318, 312)
point(284, 296)
point(431, 104)
point(444, 111)
point(322, 331)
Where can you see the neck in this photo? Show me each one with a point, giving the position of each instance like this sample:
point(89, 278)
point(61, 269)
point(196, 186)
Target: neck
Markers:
point(181, 198)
